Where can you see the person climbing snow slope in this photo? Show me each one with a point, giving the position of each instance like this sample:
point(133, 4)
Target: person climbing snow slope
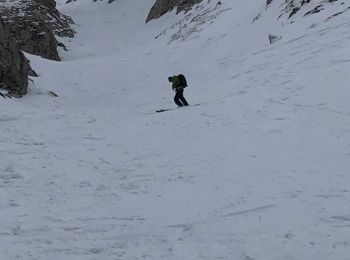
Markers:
point(179, 83)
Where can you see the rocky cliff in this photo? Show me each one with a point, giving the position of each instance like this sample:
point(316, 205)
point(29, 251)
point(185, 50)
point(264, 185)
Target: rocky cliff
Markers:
point(304, 8)
point(34, 24)
point(163, 6)
point(14, 67)
point(31, 26)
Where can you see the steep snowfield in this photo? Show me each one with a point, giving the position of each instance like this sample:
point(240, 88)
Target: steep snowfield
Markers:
point(260, 170)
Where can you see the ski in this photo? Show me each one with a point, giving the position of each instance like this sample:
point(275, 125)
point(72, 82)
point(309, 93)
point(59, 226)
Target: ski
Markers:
point(169, 109)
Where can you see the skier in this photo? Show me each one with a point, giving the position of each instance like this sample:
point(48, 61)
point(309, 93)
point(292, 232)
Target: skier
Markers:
point(178, 85)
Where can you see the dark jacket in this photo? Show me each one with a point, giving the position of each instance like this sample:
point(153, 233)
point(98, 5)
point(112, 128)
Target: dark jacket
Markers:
point(176, 83)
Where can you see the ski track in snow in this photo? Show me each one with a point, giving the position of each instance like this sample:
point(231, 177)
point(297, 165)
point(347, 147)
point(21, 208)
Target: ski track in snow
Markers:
point(259, 171)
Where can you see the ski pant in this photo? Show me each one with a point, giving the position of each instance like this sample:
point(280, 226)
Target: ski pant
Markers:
point(179, 98)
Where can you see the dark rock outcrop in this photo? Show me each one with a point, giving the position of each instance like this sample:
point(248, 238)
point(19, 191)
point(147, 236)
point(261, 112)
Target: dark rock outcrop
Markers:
point(163, 6)
point(14, 67)
point(274, 38)
point(34, 24)
point(293, 8)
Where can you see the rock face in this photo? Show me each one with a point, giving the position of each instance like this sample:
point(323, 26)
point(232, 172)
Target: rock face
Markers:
point(14, 67)
point(34, 24)
point(163, 6)
point(309, 7)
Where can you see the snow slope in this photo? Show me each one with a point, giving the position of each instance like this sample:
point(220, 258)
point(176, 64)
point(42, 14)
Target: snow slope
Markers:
point(258, 171)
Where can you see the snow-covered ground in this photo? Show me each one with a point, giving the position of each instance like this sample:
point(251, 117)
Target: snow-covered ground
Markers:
point(258, 171)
